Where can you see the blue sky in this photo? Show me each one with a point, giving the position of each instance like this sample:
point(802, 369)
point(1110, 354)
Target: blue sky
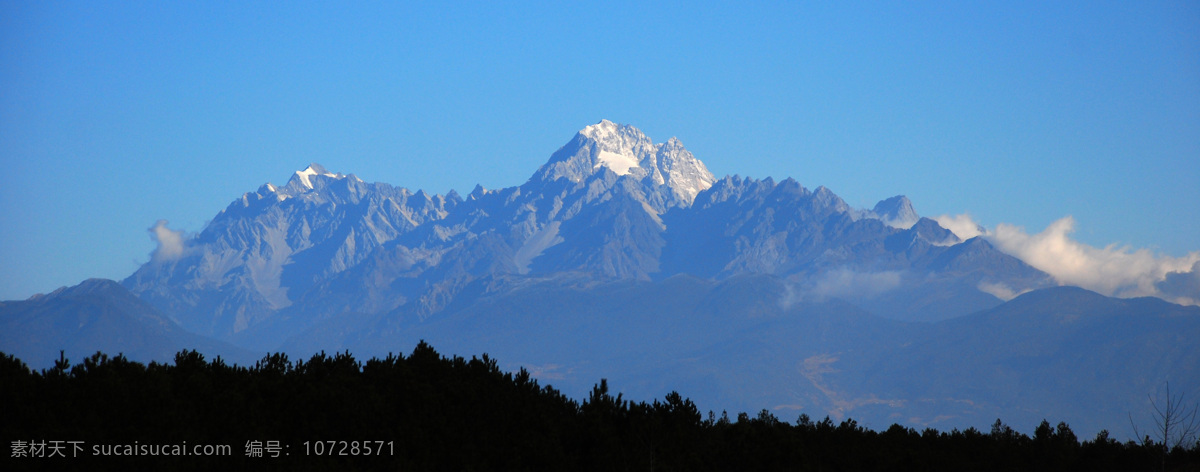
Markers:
point(113, 116)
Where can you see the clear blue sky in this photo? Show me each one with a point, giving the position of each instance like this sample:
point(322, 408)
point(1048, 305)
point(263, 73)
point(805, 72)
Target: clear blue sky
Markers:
point(116, 114)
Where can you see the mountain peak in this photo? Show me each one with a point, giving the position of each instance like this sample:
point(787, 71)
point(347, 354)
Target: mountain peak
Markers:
point(627, 152)
point(603, 128)
point(896, 212)
point(620, 148)
point(314, 169)
point(302, 180)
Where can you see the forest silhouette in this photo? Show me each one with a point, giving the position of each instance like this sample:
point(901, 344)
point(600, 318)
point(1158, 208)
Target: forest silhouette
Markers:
point(426, 411)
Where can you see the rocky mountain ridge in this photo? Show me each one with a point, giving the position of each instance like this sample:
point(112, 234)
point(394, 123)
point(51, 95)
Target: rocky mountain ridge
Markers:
point(625, 259)
point(610, 203)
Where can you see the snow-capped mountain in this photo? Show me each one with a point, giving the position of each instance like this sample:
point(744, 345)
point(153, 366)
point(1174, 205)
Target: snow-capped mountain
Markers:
point(627, 259)
point(625, 151)
point(266, 248)
point(610, 204)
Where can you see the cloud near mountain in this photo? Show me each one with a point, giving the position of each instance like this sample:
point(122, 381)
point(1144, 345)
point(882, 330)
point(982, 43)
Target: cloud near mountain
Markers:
point(845, 282)
point(1182, 286)
point(1118, 271)
point(170, 242)
point(962, 225)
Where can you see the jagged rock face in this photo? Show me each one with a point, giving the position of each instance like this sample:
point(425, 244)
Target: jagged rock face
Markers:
point(896, 212)
point(625, 151)
point(268, 247)
point(609, 205)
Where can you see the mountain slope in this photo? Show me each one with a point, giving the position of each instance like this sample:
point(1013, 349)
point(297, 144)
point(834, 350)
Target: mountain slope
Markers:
point(626, 259)
point(98, 315)
point(1061, 352)
point(745, 343)
point(267, 248)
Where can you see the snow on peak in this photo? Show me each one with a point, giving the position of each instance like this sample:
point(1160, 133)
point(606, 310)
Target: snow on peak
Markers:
point(618, 163)
point(681, 171)
point(620, 148)
point(598, 130)
point(312, 170)
point(272, 189)
point(628, 152)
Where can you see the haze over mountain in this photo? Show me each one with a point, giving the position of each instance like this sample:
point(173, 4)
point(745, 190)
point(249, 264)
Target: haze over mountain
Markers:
point(626, 259)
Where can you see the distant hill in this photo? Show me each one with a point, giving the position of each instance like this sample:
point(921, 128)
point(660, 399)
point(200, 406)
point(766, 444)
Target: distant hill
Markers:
point(98, 315)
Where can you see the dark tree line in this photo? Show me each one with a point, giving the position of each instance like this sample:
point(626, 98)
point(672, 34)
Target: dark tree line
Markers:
point(443, 413)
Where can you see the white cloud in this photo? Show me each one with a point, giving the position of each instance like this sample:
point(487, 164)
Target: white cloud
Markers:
point(961, 225)
point(839, 283)
point(847, 283)
point(1182, 287)
point(999, 290)
point(1116, 271)
point(170, 242)
point(1112, 270)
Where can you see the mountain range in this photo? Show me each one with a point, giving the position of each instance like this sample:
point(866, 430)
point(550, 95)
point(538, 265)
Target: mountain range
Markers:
point(628, 260)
